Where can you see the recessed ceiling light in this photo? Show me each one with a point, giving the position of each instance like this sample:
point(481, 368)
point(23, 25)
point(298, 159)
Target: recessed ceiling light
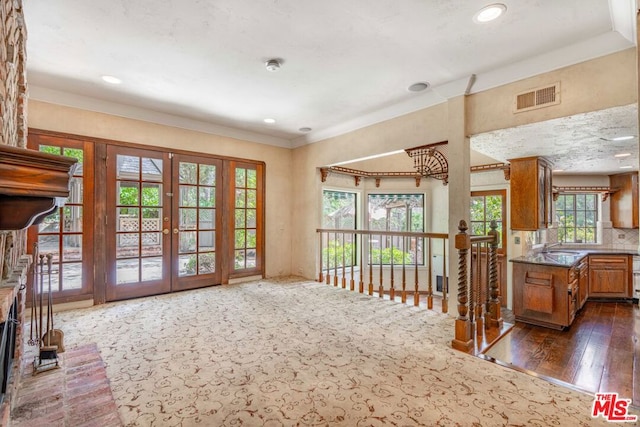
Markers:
point(622, 138)
point(622, 155)
point(489, 13)
point(418, 87)
point(270, 121)
point(626, 167)
point(112, 80)
point(305, 129)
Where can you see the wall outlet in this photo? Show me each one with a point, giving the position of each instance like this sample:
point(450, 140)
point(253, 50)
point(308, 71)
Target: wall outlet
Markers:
point(516, 240)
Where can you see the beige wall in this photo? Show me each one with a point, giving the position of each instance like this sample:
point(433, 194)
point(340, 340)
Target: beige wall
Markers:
point(593, 85)
point(278, 162)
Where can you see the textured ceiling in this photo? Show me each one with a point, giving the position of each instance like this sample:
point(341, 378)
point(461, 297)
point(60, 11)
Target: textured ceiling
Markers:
point(346, 64)
point(577, 144)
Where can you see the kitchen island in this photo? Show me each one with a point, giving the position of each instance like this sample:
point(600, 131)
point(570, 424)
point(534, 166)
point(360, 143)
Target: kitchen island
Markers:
point(549, 288)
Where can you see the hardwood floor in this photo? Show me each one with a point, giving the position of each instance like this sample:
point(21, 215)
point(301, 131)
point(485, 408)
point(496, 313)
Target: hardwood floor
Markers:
point(600, 352)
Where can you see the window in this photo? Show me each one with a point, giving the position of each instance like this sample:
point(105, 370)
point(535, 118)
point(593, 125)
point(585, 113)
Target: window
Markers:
point(247, 217)
point(485, 207)
point(396, 212)
point(576, 215)
point(339, 210)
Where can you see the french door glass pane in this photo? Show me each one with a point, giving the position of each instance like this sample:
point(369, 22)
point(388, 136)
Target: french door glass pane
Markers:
point(151, 268)
point(127, 271)
point(128, 167)
point(72, 247)
point(72, 219)
point(188, 173)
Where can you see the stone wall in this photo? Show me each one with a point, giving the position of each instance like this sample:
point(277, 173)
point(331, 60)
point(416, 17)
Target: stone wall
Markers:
point(13, 122)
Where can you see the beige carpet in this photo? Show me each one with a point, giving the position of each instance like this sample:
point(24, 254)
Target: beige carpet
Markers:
point(296, 353)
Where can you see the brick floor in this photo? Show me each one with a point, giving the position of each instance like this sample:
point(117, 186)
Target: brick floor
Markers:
point(75, 395)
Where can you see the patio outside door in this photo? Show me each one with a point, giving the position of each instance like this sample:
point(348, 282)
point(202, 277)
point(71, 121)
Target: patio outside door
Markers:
point(161, 223)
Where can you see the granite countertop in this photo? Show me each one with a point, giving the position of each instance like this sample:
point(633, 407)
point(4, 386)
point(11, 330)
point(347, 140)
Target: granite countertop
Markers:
point(567, 257)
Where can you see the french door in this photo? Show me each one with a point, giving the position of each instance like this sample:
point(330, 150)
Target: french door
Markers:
point(163, 222)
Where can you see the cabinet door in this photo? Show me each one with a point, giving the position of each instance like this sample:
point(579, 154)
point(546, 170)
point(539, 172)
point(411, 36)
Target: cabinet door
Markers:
point(609, 276)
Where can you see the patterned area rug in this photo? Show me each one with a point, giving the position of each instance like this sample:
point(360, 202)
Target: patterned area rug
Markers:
point(296, 353)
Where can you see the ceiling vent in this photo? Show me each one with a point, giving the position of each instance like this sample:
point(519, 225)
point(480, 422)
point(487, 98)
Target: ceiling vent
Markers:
point(538, 98)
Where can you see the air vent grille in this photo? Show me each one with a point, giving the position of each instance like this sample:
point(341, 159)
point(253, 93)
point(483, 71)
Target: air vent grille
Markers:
point(538, 98)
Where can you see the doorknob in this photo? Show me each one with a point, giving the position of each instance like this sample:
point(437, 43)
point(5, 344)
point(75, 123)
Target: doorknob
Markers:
point(165, 231)
point(175, 231)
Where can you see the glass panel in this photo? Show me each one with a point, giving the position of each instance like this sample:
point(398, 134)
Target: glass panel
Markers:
point(569, 202)
point(50, 149)
point(188, 173)
point(151, 194)
point(240, 177)
point(72, 219)
point(206, 263)
point(51, 223)
point(151, 169)
point(206, 218)
point(240, 198)
point(580, 201)
point(591, 219)
point(251, 218)
point(128, 219)
point(206, 240)
point(55, 279)
point(207, 197)
point(75, 190)
point(151, 219)
point(128, 167)
point(251, 238)
point(494, 207)
point(127, 245)
point(240, 218)
point(207, 175)
point(239, 259)
point(72, 247)
point(49, 245)
point(151, 244)
point(591, 202)
point(477, 209)
point(127, 271)
point(560, 202)
point(187, 241)
point(151, 268)
point(240, 239)
point(188, 218)
point(251, 258)
point(72, 275)
point(187, 265)
point(251, 198)
point(188, 195)
point(477, 229)
point(77, 154)
point(252, 180)
point(580, 220)
point(128, 193)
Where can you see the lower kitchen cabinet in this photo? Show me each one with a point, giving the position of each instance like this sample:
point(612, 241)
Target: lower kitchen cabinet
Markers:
point(610, 276)
point(545, 295)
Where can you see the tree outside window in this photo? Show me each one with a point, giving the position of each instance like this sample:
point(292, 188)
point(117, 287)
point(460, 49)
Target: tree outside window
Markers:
point(396, 212)
point(577, 215)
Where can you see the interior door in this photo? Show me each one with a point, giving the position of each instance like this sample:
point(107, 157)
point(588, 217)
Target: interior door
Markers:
point(197, 221)
point(138, 223)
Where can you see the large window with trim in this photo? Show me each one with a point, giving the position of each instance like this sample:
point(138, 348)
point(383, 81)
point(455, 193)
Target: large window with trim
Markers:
point(577, 216)
point(339, 211)
point(396, 212)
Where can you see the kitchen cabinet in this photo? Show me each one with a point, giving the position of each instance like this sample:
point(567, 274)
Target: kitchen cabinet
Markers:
point(582, 270)
point(610, 276)
point(531, 193)
point(545, 295)
point(624, 202)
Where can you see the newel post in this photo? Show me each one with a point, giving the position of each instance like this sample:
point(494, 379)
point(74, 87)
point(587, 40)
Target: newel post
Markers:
point(463, 337)
point(493, 315)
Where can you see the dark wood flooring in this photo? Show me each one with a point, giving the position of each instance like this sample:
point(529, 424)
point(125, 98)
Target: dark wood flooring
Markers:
point(599, 352)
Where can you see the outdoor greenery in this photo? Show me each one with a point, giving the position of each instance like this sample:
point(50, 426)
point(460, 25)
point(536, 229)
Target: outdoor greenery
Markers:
point(577, 215)
point(485, 209)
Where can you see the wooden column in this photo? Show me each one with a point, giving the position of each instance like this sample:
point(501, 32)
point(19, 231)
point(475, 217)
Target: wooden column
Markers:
point(493, 316)
point(463, 339)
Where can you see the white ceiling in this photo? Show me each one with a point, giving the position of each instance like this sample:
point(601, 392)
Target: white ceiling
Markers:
point(345, 64)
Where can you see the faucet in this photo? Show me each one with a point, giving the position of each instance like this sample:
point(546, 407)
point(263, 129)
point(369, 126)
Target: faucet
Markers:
point(546, 246)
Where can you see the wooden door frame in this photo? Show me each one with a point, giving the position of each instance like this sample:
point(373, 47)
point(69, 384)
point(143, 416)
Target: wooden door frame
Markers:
point(100, 208)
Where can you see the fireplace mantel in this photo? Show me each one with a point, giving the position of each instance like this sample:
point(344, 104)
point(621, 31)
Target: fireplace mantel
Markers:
point(32, 184)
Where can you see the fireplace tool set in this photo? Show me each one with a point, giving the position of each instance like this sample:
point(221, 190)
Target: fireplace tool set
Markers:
point(42, 333)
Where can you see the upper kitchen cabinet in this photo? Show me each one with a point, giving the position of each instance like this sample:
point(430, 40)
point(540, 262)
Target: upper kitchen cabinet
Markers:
point(531, 193)
point(624, 202)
